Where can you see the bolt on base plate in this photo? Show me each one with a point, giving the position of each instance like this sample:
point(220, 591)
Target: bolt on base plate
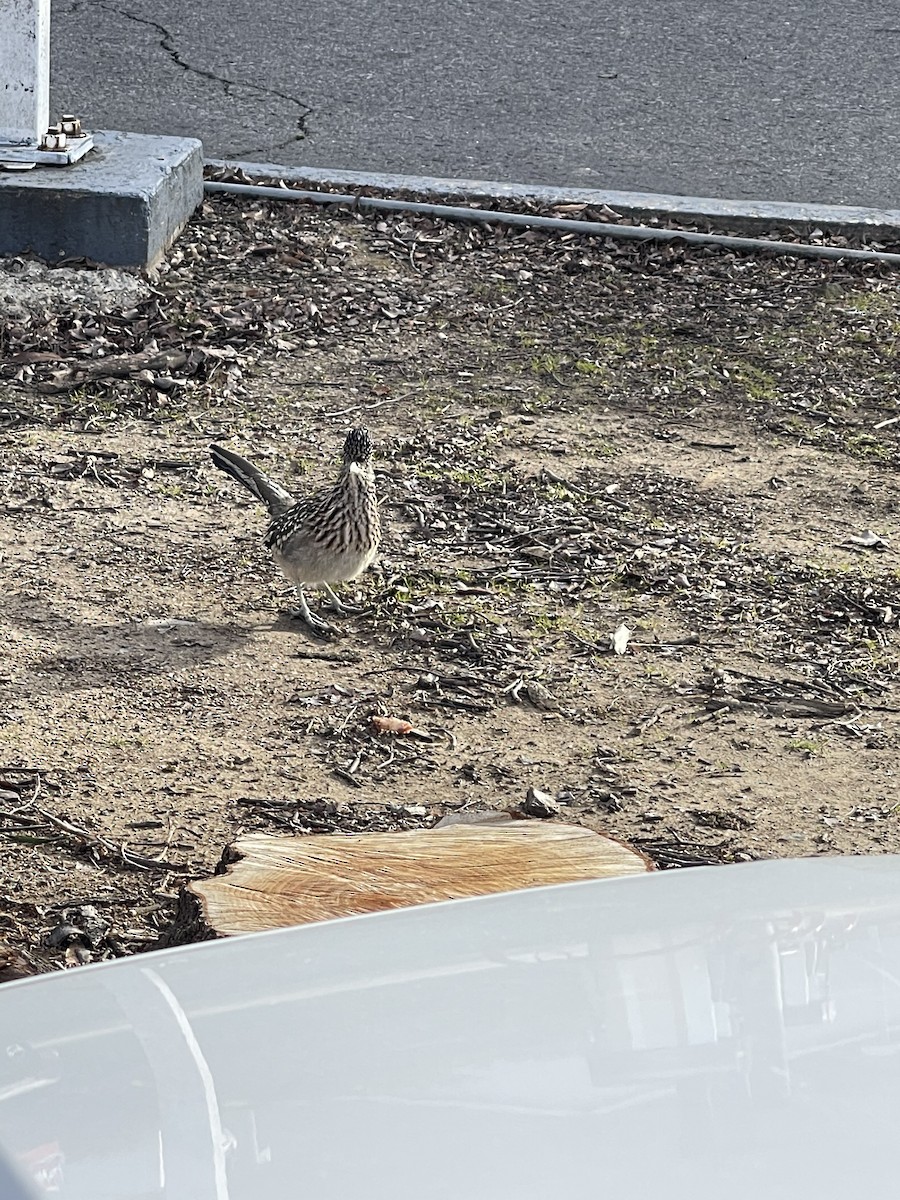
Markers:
point(61, 145)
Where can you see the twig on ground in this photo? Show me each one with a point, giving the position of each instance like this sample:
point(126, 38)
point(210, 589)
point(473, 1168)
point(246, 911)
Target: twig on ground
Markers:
point(121, 852)
point(364, 408)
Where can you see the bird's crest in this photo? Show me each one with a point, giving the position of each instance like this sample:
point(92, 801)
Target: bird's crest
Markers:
point(358, 446)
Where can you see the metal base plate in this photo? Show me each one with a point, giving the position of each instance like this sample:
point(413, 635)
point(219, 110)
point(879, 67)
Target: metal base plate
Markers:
point(23, 158)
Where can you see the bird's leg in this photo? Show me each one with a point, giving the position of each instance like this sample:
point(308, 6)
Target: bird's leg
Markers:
point(316, 624)
point(337, 604)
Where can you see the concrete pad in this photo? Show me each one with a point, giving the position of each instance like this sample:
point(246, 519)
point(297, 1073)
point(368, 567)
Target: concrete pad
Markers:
point(122, 205)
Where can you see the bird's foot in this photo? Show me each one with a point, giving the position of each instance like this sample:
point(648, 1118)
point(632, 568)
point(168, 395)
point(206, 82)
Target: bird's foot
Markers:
point(338, 605)
point(316, 625)
point(346, 610)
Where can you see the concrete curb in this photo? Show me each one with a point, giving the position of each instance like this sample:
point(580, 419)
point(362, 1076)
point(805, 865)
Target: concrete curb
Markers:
point(751, 215)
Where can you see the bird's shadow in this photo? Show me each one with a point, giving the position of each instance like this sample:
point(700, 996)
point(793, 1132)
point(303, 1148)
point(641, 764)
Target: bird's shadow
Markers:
point(87, 654)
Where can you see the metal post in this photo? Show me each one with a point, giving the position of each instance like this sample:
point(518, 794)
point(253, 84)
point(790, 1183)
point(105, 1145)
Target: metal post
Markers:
point(26, 136)
point(24, 71)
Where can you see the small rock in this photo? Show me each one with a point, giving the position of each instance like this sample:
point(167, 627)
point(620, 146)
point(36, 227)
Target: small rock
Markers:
point(540, 804)
point(64, 934)
point(92, 924)
point(415, 810)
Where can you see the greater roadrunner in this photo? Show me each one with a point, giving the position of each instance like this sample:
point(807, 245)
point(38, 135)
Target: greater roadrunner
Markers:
point(327, 537)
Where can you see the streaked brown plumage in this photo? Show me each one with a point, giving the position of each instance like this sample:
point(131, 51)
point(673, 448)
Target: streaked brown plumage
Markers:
point(325, 538)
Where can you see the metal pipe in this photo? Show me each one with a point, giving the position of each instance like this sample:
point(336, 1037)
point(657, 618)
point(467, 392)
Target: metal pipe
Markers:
point(639, 233)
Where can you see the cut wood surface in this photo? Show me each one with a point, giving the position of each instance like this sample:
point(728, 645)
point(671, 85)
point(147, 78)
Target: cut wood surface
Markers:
point(279, 881)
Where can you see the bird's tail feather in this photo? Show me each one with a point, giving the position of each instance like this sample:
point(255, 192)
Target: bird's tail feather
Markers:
point(275, 498)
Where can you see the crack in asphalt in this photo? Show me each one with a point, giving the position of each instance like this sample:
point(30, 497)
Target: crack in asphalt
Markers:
point(257, 153)
point(167, 44)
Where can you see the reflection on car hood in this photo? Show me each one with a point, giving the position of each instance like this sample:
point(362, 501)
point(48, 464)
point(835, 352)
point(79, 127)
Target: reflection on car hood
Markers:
point(719, 1031)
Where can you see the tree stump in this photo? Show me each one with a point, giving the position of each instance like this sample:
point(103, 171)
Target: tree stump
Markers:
point(268, 882)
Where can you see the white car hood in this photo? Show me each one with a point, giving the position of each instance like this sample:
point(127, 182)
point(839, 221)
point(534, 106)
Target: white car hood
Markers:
point(706, 1032)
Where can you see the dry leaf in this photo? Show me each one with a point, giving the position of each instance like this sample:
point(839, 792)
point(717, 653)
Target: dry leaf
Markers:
point(540, 696)
point(621, 638)
point(391, 725)
point(868, 540)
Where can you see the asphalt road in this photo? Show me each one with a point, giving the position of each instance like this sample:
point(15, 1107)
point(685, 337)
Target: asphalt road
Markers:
point(797, 100)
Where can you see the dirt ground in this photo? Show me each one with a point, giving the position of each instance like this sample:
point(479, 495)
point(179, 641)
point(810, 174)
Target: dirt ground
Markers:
point(572, 436)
